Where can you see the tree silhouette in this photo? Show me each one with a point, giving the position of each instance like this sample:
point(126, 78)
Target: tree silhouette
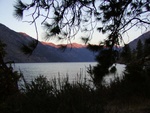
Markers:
point(126, 53)
point(139, 49)
point(8, 77)
point(65, 18)
point(147, 47)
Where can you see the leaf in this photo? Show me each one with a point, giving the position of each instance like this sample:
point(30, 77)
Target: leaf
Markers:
point(18, 13)
point(19, 8)
point(65, 34)
point(85, 39)
point(47, 25)
point(100, 29)
point(21, 5)
point(55, 30)
point(28, 49)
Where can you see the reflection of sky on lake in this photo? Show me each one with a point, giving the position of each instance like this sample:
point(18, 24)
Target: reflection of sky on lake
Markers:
point(111, 77)
point(53, 70)
point(74, 71)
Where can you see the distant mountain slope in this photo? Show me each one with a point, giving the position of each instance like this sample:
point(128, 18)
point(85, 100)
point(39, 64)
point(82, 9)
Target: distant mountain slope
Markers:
point(143, 37)
point(45, 52)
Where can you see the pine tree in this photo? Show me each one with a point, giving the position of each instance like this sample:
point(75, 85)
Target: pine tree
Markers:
point(126, 53)
point(64, 19)
point(8, 77)
point(147, 47)
point(139, 49)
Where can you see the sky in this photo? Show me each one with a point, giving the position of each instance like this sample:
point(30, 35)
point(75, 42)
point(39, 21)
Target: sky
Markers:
point(7, 18)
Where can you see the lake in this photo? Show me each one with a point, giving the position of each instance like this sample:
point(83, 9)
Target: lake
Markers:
point(55, 70)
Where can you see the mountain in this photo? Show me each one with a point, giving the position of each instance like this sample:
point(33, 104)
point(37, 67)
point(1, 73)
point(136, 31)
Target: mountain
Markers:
point(44, 52)
point(143, 37)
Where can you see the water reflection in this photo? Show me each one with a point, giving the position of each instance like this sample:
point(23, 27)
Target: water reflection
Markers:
point(74, 71)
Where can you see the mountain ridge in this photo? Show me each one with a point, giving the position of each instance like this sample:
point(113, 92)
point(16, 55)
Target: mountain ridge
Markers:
point(71, 45)
point(142, 37)
point(44, 52)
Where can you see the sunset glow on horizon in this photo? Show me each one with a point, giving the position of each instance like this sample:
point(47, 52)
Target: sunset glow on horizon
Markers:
point(7, 18)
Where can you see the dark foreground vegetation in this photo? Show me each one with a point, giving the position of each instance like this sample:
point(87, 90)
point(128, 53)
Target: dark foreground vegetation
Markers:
point(131, 94)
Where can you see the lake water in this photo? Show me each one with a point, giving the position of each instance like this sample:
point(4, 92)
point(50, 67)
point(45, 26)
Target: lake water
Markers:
point(55, 70)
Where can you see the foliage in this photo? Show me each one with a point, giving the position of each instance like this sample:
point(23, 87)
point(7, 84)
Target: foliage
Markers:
point(2, 51)
point(126, 53)
point(136, 81)
point(8, 78)
point(42, 96)
point(136, 75)
point(147, 47)
point(139, 49)
point(129, 55)
point(66, 18)
point(105, 59)
point(28, 49)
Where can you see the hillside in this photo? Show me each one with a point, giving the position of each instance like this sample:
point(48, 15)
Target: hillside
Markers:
point(143, 37)
point(45, 52)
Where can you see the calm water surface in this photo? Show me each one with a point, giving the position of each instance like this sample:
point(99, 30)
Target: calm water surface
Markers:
point(51, 70)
